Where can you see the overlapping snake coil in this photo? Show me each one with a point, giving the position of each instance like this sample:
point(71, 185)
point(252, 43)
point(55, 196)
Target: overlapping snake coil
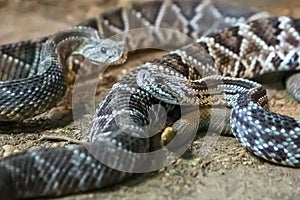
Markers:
point(204, 74)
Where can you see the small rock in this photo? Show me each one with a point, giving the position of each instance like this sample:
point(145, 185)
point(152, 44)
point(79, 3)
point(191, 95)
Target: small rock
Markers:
point(194, 173)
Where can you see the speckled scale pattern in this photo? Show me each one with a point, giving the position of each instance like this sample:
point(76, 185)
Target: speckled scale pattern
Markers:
point(40, 68)
point(20, 101)
point(269, 135)
point(26, 97)
point(58, 171)
point(21, 59)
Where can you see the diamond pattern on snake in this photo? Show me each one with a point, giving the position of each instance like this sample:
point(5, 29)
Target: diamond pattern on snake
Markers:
point(184, 89)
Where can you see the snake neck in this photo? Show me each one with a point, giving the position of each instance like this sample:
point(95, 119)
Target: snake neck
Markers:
point(62, 45)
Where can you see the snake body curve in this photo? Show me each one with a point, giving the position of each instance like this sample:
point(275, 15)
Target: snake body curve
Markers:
point(248, 53)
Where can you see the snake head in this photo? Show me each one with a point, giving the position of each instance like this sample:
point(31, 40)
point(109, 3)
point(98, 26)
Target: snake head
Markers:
point(104, 51)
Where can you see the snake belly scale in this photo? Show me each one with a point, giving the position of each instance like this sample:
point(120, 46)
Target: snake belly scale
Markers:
point(241, 51)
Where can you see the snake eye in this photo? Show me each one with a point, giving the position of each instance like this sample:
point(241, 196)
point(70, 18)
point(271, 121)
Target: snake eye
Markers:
point(103, 50)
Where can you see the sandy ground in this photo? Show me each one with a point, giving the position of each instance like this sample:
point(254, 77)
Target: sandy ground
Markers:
point(227, 172)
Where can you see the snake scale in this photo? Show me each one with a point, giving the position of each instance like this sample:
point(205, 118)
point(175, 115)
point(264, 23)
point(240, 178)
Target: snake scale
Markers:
point(209, 72)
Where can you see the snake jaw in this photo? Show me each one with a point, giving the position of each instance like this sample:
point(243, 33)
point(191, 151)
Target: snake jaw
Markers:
point(122, 60)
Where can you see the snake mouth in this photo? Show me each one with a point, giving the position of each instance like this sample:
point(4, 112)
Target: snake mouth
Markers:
point(121, 60)
point(116, 61)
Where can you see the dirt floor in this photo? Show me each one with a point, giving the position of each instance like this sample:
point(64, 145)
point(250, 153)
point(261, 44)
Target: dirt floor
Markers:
point(227, 172)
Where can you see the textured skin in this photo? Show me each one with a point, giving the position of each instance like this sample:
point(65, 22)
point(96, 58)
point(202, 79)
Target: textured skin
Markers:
point(34, 72)
point(119, 143)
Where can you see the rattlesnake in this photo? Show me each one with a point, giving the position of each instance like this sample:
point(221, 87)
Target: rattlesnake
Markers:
point(123, 121)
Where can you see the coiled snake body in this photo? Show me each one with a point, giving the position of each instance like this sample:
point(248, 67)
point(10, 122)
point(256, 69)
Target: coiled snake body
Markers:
point(189, 78)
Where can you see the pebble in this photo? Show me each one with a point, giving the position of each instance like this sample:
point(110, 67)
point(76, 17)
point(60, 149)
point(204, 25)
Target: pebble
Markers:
point(194, 173)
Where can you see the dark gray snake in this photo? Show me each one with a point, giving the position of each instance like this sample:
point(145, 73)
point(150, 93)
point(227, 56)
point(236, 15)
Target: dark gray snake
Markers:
point(186, 76)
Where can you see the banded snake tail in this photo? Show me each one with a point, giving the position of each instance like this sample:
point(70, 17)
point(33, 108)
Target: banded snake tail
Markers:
point(241, 51)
